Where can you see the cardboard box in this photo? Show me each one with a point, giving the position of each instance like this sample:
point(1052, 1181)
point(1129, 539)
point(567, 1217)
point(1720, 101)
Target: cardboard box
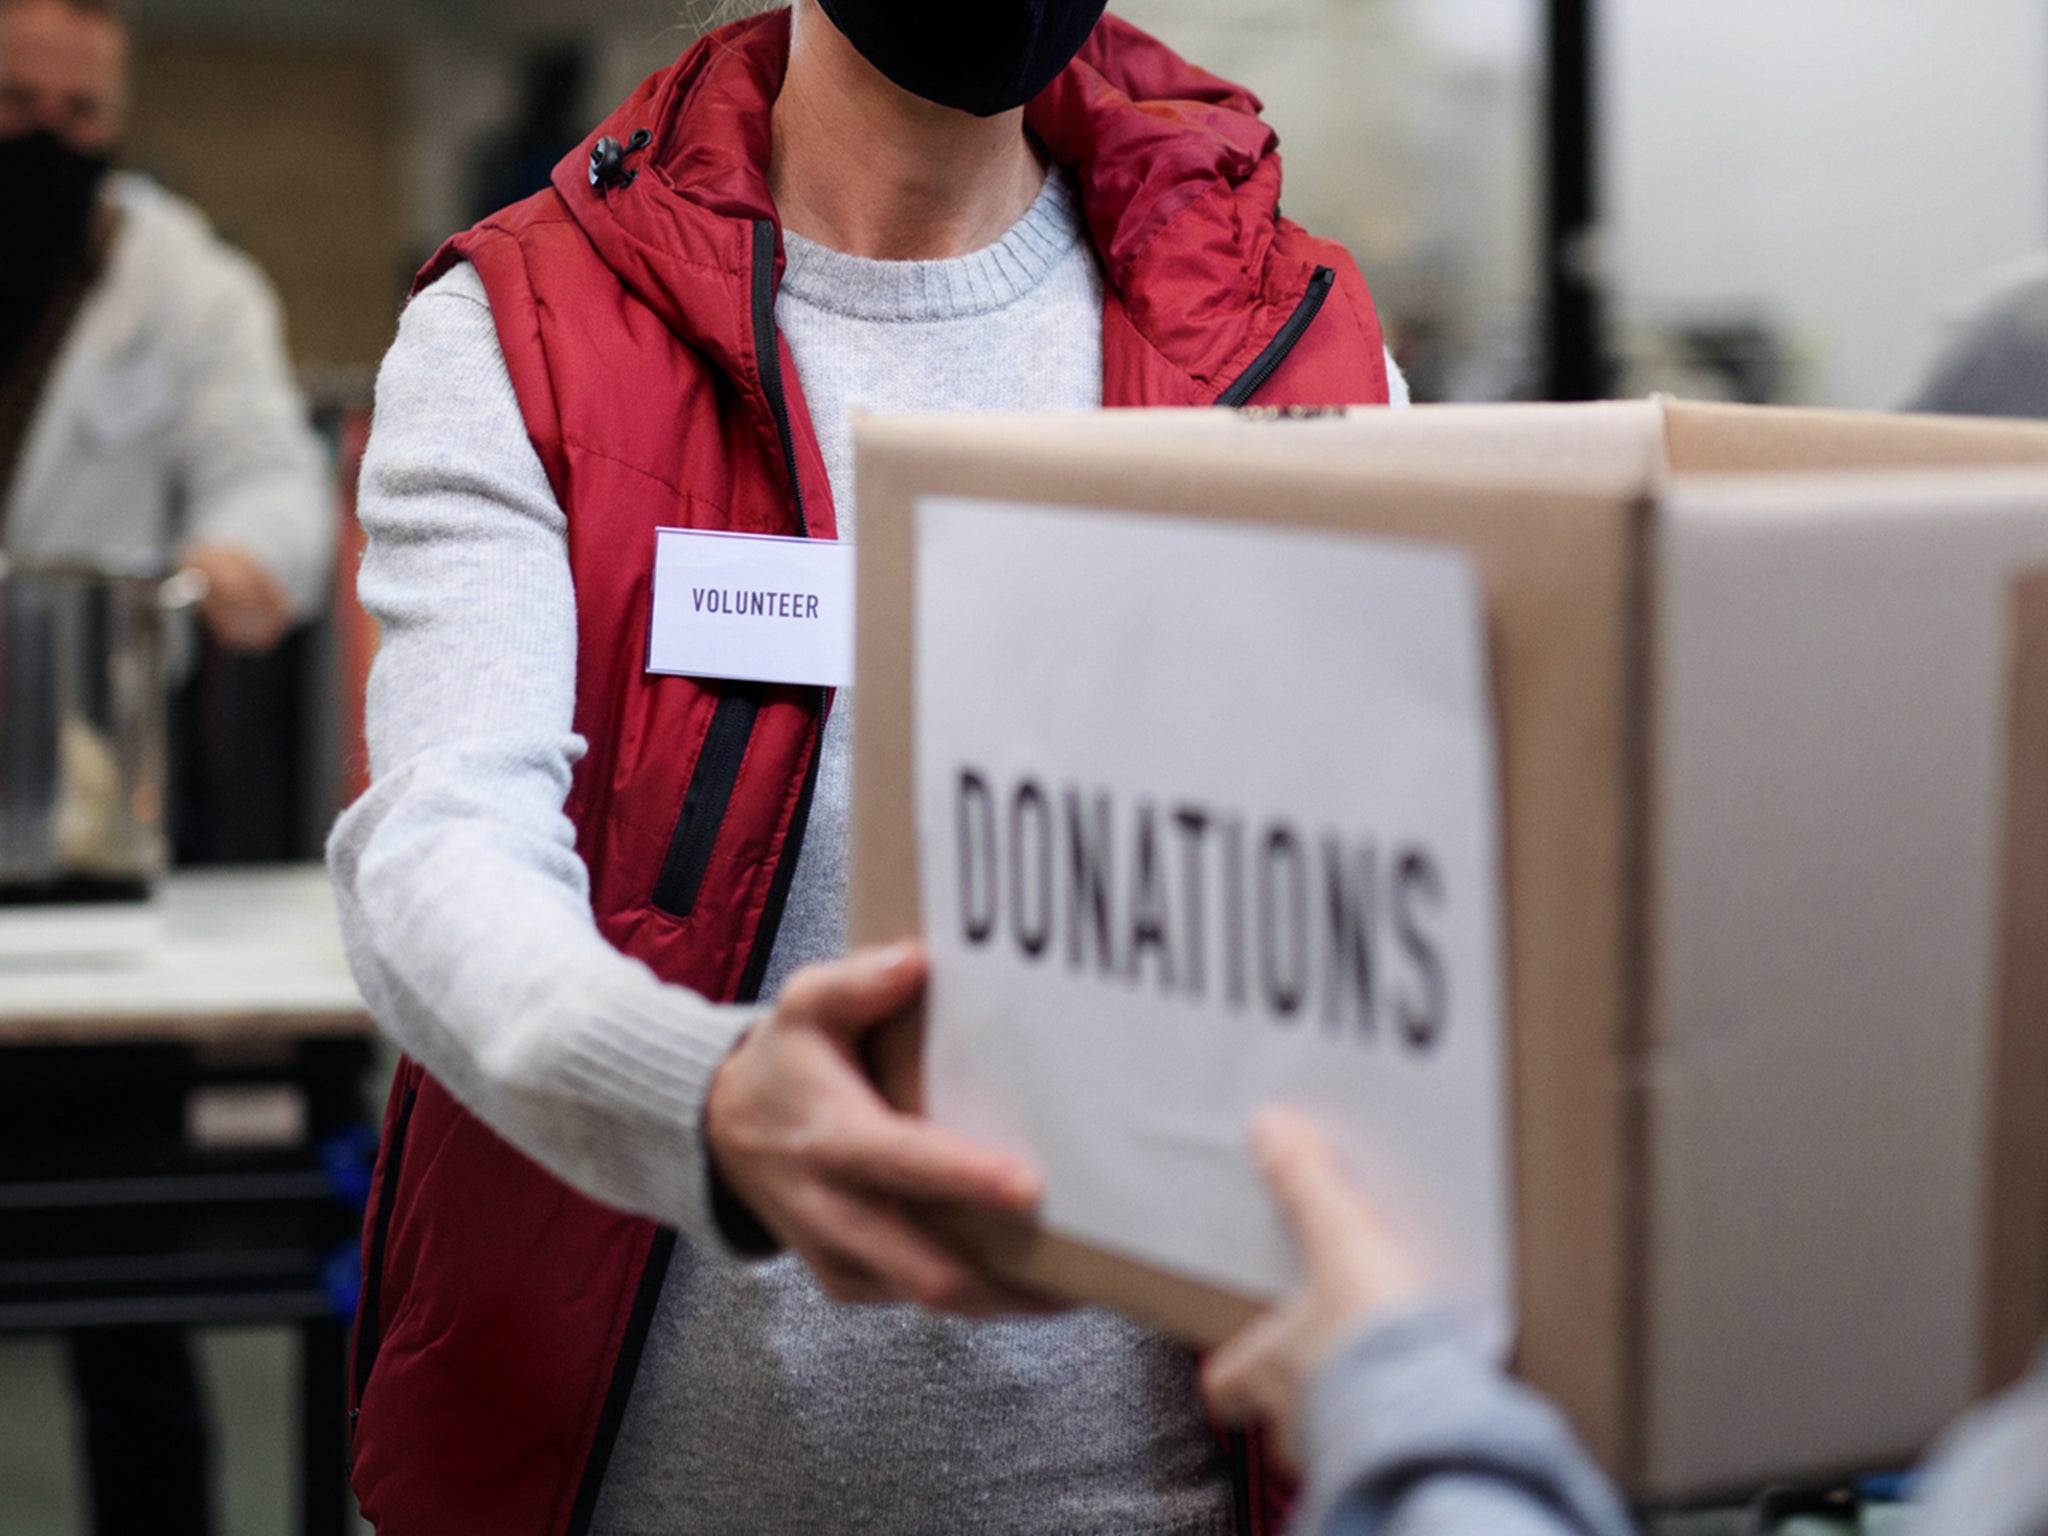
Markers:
point(1773, 701)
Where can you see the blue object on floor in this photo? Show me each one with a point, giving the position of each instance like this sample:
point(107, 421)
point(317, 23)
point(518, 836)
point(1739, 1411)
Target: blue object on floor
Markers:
point(350, 1158)
point(1890, 1487)
point(342, 1275)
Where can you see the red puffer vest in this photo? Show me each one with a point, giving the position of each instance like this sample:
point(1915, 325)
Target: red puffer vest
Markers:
point(503, 1314)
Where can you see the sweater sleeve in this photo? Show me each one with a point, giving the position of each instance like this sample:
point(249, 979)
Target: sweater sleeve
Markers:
point(1409, 1432)
point(464, 902)
point(253, 473)
point(1398, 394)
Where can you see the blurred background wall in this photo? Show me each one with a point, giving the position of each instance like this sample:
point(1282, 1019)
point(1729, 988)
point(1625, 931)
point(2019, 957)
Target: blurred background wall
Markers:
point(1798, 193)
point(1841, 170)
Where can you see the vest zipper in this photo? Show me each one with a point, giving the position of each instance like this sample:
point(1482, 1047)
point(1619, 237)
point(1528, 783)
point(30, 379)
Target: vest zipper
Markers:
point(1237, 1451)
point(653, 1275)
point(1268, 362)
point(768, 359)
point(732, 725)
point(369, 1325)
point(706, 800)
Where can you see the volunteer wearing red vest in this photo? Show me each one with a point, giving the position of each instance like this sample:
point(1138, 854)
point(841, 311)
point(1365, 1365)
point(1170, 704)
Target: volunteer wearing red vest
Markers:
point(621, 1206)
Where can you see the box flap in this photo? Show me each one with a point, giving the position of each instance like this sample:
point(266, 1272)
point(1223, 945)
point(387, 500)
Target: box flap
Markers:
point(1703, 438)
point(1618, 444)
point(1625, 443)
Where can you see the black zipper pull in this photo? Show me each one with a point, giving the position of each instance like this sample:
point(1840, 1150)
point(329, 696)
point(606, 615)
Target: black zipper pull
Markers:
point(608, 160)
point(1268, 362)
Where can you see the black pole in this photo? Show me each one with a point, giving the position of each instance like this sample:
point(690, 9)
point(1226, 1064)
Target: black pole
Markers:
point(323, 1428)
point(1576, 361)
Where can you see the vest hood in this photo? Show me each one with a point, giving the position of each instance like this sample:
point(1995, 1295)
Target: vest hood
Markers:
point(1179, 180)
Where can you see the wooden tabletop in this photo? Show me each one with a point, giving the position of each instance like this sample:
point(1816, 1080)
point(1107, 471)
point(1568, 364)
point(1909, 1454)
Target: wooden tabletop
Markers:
point(224, 956)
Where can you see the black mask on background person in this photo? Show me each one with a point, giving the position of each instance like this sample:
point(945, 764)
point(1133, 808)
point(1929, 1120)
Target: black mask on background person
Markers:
point(979, 56)
point(48, 195)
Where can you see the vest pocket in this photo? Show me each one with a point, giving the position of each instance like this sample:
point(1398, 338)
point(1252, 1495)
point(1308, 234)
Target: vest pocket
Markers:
point(706, 800)
point(369, 1322)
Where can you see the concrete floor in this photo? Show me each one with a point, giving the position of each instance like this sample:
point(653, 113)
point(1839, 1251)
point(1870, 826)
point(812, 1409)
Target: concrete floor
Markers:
point(251, 1379)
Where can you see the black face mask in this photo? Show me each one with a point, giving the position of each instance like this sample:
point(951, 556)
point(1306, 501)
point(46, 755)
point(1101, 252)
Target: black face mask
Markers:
point(48, 194)
point(979, 56)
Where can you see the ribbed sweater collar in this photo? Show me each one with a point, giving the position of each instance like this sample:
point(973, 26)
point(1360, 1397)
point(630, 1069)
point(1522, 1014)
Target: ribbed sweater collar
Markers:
point(988, 279)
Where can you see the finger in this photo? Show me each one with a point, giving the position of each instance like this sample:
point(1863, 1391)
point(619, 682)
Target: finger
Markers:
point(876, 1238)
point(914, 1160)
point(1235, 1378)
point(851, 996)
point(273, 617)
point(229, 628)
point(844, 1281)
point(250, 618)
point(966, 1231)
point(266, 611)
point(219, 609)
point(1011, 1302)
point(257, 631)
point(1328, 1215)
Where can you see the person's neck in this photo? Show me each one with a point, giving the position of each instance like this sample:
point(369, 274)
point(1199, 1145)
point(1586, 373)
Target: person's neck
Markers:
point(863, 167)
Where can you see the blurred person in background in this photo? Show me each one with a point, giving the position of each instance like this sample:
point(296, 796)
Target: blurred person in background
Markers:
point(549, 125)
point(147, 413)
point(1405, 1428)
point(146, 403)
point(623, 1206)
point(1995, 359)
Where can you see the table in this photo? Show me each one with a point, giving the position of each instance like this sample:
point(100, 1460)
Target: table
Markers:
point(183, 1130)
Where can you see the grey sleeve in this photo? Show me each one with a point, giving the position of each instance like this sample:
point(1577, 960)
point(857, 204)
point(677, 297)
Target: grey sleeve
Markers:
point(464, 902)
point(253, 473)
point(1989, 1476)
point(1997, 365)
point(1409, 1432)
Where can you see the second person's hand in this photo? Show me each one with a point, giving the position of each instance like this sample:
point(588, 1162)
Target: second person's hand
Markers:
point(799, 1135)
point(246, 610)
point(1357, 1272)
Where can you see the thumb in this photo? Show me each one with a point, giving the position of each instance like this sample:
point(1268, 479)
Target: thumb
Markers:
point(849, 997)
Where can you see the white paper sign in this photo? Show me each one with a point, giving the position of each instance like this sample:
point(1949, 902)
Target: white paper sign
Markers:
point(755, 608)
point(1208, 819)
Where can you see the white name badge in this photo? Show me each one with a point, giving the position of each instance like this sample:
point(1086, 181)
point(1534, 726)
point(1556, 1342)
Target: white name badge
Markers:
point(752, 607)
